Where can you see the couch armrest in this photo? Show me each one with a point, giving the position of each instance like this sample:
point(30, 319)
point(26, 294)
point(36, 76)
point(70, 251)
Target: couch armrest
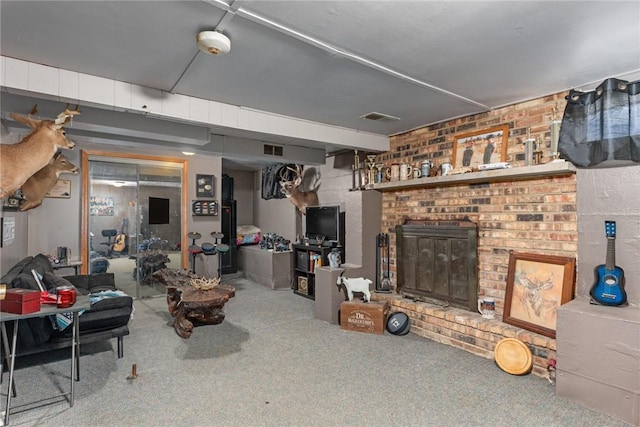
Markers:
point(90, 283)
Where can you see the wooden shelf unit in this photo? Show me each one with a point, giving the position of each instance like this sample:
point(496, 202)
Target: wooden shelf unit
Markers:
point(305, 261)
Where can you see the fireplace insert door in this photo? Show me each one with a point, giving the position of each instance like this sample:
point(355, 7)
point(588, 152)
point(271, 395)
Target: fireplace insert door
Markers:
point(438, 262)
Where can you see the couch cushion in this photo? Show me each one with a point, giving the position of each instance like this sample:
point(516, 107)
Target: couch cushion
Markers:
point(51, 282)
point(93, 282)
point(15, 270)
point(108, 313)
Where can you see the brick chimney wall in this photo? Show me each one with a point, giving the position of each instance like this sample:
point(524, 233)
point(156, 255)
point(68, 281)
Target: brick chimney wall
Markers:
point(529, 216)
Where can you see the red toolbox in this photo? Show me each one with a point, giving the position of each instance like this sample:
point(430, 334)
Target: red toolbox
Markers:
point(20, 301)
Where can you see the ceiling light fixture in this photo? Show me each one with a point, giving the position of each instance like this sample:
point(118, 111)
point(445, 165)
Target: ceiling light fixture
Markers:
point(213, 42)
point(188, 153)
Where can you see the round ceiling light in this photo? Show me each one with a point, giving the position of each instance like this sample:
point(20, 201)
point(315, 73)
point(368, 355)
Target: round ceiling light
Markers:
point(213, 42)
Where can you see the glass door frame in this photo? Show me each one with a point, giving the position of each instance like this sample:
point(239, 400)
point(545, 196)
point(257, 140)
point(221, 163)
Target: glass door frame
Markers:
point(87, 155)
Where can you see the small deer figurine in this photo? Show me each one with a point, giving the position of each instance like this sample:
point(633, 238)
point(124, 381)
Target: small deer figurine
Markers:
point(20, 161)
point(301, 199)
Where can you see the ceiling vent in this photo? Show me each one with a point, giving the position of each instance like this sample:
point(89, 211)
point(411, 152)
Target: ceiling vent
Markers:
point(379, 117)
point(273, 150)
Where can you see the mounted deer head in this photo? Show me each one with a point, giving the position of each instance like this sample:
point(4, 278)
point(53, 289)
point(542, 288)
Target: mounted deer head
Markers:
point(40, 183)
point(291, 188)
point(20, 161)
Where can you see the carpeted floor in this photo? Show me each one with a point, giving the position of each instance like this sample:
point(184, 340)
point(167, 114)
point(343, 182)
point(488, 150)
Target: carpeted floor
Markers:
point(271, 363)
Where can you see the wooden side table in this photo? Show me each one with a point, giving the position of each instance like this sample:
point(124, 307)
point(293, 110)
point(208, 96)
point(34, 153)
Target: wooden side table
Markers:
point(69, 264)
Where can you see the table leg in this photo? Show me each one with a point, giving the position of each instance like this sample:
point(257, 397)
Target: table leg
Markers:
point(12, 361)
point(75, 355)
point(7, 352)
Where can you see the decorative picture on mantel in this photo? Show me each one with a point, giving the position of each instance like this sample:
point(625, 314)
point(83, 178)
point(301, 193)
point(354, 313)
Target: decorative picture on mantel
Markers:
point(481, 147)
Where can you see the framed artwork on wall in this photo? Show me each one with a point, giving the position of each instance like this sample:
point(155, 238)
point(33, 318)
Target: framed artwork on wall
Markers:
point(480, 147)
point(536, 286)
point(101, 206)
point(60, 190)
point(205, 185)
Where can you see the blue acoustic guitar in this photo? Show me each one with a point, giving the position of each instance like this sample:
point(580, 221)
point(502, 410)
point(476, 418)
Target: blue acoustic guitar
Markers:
point(609, 286)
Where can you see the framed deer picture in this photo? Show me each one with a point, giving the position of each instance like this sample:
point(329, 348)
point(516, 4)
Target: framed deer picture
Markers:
point(536, 286)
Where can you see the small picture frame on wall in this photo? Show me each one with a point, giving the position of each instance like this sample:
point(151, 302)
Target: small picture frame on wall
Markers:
point(481, 147)
point(60, 190)
point(205, 185)
point(12, 202)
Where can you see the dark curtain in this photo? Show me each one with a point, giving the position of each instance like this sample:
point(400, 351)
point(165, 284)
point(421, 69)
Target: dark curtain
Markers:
point(271, 188)
point(603, 124)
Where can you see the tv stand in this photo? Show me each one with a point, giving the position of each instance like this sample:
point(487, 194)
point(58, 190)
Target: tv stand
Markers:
point(306, 258)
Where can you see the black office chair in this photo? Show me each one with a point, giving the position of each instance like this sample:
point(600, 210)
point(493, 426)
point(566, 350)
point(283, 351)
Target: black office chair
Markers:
point(109, 234)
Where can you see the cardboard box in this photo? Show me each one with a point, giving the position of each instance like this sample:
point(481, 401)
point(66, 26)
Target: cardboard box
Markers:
point(369, 317)
point(20, 301)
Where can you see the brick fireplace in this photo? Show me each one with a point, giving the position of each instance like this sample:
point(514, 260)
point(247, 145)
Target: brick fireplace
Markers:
point(525, 213)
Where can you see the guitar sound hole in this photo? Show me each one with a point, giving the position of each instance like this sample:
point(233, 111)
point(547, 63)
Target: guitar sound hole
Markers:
point(610, 280)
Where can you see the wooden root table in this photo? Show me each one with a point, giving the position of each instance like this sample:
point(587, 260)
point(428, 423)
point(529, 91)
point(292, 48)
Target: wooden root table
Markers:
point(192, 307)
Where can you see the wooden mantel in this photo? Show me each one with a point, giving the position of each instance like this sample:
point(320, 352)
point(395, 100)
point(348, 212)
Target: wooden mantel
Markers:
point(562, 168)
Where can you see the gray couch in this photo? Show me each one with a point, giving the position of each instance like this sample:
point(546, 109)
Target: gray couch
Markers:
point(107, 318)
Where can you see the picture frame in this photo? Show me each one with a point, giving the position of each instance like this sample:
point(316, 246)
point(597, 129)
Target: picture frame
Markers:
point(101, 206)
point(60, 190)
point(12, 202)
point(471, 149)
point(205, 185)
point(303, 285)
point(536, 286)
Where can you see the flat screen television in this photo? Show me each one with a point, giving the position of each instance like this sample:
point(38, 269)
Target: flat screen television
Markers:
point(323, 221)
point(158, 210)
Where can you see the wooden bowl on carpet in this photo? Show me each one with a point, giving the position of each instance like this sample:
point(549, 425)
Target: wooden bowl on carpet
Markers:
point(513, 356)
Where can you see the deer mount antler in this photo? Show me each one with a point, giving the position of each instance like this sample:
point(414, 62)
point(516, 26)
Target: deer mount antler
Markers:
point(291, 188)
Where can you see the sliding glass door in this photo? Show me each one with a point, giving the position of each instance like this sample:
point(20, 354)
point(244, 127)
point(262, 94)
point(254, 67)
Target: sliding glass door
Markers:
point(134, 221)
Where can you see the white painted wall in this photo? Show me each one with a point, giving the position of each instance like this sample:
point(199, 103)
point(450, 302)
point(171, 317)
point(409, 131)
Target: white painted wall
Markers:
point(275, 215)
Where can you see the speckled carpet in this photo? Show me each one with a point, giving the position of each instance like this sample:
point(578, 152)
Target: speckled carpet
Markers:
point(271, 363)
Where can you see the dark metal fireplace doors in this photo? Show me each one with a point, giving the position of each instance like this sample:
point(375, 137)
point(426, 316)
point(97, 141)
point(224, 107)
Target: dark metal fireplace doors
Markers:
point(438, 260)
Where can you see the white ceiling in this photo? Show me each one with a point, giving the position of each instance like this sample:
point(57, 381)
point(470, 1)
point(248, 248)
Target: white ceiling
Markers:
point(335, 61)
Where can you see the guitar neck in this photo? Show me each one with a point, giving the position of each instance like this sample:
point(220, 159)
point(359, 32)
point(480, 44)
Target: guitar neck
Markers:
point(611, 253)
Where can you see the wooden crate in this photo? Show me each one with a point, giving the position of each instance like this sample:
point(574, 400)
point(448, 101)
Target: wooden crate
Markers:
point(369, 317)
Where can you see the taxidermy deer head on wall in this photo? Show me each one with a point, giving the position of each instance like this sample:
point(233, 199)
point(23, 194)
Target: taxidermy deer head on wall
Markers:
point(294, 188)
point(39, 184)
point(18, 162)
